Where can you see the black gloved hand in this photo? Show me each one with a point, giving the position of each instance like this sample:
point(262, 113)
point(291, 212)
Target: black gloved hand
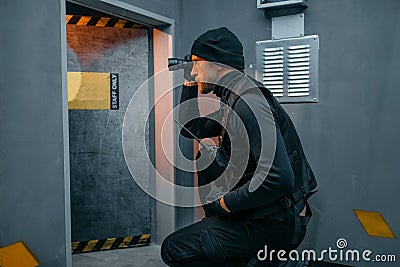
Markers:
point(214, 209)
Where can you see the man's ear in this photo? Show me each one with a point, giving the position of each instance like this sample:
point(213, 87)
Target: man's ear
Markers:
point(222, 69)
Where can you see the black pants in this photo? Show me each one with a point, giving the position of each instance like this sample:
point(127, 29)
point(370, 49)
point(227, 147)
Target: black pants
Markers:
point(226, 242)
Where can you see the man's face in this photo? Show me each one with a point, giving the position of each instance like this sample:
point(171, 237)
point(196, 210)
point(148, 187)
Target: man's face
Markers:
point(205, 74)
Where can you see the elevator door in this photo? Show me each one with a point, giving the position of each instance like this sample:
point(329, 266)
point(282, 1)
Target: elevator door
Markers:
point(108, 59)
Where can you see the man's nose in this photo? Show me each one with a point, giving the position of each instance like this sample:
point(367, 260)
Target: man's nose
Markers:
point(193, 73)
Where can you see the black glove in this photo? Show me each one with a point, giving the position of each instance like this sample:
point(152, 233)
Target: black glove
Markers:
point(214, 209)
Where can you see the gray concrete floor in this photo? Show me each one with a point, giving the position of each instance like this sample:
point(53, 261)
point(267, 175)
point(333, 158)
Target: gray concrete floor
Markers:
point(148, 256)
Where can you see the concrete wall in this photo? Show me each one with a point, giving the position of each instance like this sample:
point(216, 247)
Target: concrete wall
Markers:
point(351, 134)
point(34, 158)
point(105, 200)
point(34, 155)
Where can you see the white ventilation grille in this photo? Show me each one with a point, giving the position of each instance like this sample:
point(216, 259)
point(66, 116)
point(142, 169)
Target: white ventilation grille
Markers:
point(299, 70)
point(273, 70)
point(289, 68)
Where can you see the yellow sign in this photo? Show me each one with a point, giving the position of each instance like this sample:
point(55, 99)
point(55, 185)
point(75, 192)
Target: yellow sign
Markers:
point(93, 90)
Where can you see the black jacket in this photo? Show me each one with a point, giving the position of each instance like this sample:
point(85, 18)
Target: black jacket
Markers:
point(260, 139)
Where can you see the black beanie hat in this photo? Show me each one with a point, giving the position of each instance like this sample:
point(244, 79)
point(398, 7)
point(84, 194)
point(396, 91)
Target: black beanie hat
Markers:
point(221, 46)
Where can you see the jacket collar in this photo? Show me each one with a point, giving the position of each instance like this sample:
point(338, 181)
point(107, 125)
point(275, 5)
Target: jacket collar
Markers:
point(224, 86)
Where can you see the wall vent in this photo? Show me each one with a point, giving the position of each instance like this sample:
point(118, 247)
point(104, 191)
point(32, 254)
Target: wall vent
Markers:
point(281, 4)
point(289, 68)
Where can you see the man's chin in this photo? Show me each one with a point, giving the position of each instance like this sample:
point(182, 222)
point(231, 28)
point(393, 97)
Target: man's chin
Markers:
point(205, 88)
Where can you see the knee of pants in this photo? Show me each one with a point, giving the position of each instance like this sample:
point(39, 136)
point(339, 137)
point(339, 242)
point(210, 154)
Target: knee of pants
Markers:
point(166, 252)
point(211, 245)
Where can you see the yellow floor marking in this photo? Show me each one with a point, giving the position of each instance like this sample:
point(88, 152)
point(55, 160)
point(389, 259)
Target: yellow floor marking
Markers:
point(17, 255)
point(374, 223)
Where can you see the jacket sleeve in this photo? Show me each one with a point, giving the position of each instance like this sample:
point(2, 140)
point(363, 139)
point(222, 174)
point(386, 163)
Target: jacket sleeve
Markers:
point(273, 176)
point(189, 116)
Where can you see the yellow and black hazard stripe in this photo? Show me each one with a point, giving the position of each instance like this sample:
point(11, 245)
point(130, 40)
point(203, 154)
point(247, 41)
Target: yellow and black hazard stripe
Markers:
point(100, 22)
point(110, 243)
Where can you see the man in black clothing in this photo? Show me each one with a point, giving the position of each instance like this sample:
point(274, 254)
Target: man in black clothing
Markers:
point(259, 198)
